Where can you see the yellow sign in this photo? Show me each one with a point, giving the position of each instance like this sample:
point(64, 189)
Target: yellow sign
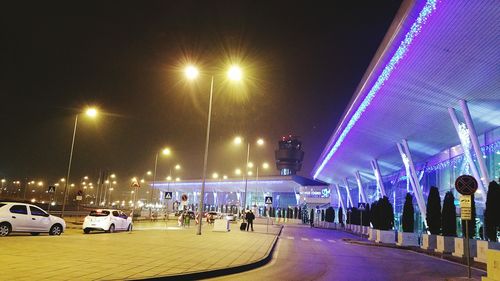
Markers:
point(466, 213)
point(465, 201)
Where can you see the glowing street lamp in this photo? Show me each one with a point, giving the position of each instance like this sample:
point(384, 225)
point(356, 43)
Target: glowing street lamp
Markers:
point(92, 113)
point(191, 72)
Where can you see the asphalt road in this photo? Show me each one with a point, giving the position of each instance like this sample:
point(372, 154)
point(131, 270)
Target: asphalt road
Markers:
point(303, 253)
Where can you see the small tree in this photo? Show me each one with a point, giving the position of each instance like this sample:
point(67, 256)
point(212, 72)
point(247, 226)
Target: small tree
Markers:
point(295, 213)
point(472, 222)
point(434, 211)
point(299, 213)
point(491, 217)
point(366, 215)
point(449, 215)
point(374, 217)
point(330, 214)
point(341, 216)
point(386, 214)
point(311, 218)
point(322, 214)
point(408, 214)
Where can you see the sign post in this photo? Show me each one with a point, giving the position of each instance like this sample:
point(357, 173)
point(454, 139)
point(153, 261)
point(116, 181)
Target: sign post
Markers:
point(51, 190)
point(135, 185)
point(167, 196)
point(269, 201)
point(466, 185)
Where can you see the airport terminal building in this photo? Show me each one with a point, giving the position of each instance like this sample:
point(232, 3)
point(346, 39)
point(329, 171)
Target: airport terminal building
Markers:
point(426, 111)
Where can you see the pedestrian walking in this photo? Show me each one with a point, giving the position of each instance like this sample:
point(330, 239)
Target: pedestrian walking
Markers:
point(249, 218)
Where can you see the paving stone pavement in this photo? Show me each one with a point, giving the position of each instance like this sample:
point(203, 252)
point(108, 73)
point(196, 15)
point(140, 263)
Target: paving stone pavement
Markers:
point(153, 251)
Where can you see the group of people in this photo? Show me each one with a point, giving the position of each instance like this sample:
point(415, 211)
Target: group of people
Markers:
point(249, 217)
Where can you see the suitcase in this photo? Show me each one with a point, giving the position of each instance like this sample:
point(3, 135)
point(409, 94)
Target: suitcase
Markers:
point(243, 226)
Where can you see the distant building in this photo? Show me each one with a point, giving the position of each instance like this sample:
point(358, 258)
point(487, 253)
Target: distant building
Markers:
point(289, 155)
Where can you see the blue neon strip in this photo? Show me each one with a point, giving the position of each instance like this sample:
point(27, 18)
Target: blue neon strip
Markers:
point(426, 11)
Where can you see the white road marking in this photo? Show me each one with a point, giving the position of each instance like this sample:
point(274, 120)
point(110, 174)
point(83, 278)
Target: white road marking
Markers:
point(304, 239)
point(317, 240)
point(331, 241)
point(290, 237)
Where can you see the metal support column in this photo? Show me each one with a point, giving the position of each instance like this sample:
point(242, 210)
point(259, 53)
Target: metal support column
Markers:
point(464, 136)
point(349, 198)
point(341, 202)
point(475, 142)
point(360, 187)
point(378, 176)
point(404, 150)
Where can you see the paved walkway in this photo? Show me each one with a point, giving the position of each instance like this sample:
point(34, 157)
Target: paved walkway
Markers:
point(303, 253)
point(150, 252)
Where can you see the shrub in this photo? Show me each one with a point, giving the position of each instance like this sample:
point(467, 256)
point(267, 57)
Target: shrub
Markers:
point(330, 214)
point(449, 215)
point(434, 211)
point(341, 216)
point(322, 215)
point(491, 214)
point(366, 216)
point(311, 216)
point(472, 222)
point(386, 214)
point(374, 214)
point(408, 214)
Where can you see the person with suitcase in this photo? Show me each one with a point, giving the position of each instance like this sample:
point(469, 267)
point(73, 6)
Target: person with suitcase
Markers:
point(243, 225)
point(249, 218)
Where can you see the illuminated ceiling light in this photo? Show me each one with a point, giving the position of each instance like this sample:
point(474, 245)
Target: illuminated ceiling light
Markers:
point(403, 48)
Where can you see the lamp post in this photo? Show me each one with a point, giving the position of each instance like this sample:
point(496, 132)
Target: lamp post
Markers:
point(191, 73)
point(237, 141)
point(91, 112)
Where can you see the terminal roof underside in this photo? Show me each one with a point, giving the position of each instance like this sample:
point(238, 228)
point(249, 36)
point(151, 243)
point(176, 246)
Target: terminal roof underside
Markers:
point(265, 184)
point(455, 56)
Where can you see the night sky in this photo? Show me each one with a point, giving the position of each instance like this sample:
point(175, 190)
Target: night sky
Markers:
point(302, 62)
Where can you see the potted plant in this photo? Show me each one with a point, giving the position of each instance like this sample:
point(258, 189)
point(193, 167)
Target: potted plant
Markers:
point(329, 216)
point(385, 221)
point(407, 237)
point(445, 243)
point(433, 219)
point(341, 217)
point(492, 223)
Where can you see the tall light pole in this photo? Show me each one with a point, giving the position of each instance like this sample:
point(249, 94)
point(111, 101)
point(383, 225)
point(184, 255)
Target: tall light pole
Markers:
point(237, 141)
point(91, 112)
point(191, 73)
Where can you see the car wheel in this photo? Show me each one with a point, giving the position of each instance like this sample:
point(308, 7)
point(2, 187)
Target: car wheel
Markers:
point(86, 231)
point(111, 228)
point(56, 229)
point(35, 233)
point(129, 228)
point(5, 229)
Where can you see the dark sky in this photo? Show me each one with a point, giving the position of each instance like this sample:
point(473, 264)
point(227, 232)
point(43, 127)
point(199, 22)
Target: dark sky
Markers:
point(302, 61)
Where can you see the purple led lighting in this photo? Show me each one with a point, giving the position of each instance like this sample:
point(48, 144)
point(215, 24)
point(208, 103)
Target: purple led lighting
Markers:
point(403, 48)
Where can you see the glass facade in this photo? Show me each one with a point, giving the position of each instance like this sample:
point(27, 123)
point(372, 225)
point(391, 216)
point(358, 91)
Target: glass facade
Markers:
point(441, 171)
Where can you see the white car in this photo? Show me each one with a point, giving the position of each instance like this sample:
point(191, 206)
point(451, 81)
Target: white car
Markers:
point(107, 220)
point(22, 217)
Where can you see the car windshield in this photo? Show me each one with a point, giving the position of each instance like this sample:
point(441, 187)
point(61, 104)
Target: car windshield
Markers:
point(99, 213)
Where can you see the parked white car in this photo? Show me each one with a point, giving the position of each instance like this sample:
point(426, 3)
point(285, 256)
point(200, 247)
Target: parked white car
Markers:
point(22, 217)
point(107, 220)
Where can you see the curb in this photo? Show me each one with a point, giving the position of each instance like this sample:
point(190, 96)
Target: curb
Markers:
point(223, 271)
point(474, 264)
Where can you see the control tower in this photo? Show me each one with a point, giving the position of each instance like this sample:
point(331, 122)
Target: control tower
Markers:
point(289, 155)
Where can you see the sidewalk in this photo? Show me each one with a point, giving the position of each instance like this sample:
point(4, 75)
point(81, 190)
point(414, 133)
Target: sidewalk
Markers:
point(149, 253)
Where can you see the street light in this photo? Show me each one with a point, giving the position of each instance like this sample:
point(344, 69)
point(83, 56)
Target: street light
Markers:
point(192, 73)
point(166, 151)
point(90, 112)
point(238, 141)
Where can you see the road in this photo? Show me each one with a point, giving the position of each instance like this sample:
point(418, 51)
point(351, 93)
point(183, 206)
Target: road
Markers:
point(303, 253)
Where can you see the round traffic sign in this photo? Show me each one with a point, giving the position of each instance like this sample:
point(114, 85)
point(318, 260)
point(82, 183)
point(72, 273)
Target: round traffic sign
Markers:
point(466, 185)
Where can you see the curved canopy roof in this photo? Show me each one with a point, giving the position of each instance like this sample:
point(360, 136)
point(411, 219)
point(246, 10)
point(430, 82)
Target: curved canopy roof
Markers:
point(434, 54)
